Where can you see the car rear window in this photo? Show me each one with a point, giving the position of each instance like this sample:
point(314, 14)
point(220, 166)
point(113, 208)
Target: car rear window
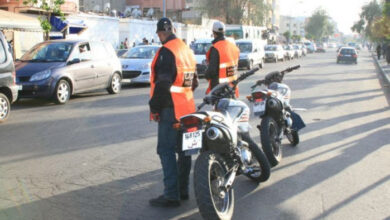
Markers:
point(348, 51)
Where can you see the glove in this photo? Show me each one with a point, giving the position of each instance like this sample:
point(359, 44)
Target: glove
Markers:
point(154, 117)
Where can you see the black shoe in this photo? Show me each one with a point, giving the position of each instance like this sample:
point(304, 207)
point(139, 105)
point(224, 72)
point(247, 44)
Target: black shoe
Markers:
point(161, 201)
point(184, 197)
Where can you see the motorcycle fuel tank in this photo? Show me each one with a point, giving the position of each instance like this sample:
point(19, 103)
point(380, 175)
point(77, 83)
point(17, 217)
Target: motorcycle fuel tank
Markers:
point(237, 110)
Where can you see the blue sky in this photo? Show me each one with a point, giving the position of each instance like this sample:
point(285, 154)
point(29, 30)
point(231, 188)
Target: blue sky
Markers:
point(344, 12)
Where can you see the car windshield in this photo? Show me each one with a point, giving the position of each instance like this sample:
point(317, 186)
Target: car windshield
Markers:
point(347, 51)
point(201, 48)
point(48, 52)
point(140, 53)
point(270, 48)
point(245, 47)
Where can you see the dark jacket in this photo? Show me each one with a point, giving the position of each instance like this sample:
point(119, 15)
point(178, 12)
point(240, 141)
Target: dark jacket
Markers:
point(165, 75)
point(212, 72)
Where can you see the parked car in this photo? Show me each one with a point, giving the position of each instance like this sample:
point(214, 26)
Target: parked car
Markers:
point(120, 52)
point(61, 68)
point(347, 54)
point(332, 45)
point(251, 53)
point(288, 52)
point(8, 88)
point(274, 52)
point(320, 48)
point(311, 47)
point(137, 61)
point(298, 51)
point(200, 48)
point(354, 45)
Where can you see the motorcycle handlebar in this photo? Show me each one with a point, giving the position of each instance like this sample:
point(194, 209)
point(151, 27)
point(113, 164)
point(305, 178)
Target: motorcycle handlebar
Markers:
point(291, 69)
point(201, 105)
point(245, 75)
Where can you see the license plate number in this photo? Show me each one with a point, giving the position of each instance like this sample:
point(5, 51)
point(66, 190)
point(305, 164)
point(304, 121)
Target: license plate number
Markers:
point(259, 107)
point(192, 140)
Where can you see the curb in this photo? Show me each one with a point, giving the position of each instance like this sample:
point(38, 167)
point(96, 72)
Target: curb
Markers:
point(384, 75)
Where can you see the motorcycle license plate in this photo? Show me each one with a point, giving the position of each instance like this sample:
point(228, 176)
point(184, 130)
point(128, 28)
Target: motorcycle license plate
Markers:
point(259, 107)
point(192, 140)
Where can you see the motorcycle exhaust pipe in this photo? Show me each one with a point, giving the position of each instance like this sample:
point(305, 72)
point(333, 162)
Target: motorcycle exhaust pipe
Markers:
point(213, 133)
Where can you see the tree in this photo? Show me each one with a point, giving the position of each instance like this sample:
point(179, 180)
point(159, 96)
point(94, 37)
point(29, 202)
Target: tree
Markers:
point(235, 11)
point(287, 35)
point(296, 38)
point(370, 13)
point(319, 26)
point(49, 8)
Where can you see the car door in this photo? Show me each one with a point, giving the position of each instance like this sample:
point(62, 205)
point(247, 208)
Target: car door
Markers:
point(83, 71)
point(102, 63)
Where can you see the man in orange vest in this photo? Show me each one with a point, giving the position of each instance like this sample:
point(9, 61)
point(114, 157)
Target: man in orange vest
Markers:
point(222, 59)
point(172, 81)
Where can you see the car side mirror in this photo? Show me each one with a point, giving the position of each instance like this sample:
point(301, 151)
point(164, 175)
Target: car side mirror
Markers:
point(75, 60)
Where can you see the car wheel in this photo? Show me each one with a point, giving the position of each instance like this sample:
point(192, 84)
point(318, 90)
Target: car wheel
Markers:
point(250, 65)
point(5, 107)
point(115, 85)
point(62, 92)
point(261, 65)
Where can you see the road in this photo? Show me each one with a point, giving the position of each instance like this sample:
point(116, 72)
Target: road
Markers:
point(95, 157)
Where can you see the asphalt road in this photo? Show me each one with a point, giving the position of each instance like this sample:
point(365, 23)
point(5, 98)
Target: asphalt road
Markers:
point(95, 157)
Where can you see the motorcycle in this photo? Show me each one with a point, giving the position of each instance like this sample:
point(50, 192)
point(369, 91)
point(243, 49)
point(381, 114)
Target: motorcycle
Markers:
point(278, 118)
point(226, 149)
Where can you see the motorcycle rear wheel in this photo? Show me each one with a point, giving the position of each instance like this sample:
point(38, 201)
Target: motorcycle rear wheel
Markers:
point(209, 175)
point(269, 135)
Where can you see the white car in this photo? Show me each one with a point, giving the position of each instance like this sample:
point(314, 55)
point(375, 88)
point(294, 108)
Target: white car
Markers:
point(200, 48)
point(136, 63)
point(274, 52)
point(251, 53)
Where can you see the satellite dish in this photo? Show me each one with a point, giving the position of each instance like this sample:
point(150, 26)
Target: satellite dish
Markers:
point(150, 12)
point(96, 8)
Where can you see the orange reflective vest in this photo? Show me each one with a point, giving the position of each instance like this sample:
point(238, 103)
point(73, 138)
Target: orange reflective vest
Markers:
point(228, 62)
point(181, 89)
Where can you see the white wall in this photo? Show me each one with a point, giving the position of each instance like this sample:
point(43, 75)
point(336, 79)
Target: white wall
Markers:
point(100, 28)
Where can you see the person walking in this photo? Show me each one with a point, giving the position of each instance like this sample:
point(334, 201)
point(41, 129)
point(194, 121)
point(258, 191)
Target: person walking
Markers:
point(378, 51)
point(222, 58)
point(173, 80)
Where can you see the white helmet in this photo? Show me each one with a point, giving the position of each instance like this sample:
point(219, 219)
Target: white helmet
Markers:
point(219, 27)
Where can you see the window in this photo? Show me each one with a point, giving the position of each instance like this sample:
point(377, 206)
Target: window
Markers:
point(3, 54)
point(84, 52)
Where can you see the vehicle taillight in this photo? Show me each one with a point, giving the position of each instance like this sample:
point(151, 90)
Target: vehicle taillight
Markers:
point(354, 56)
point(190, 121)
point(339, 55)
point(258, 95)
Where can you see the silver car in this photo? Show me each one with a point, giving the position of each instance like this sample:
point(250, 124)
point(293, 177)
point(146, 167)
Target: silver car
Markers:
point(137, 61)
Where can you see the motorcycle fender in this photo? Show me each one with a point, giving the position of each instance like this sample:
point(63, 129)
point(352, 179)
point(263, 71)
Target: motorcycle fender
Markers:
point(298, 123)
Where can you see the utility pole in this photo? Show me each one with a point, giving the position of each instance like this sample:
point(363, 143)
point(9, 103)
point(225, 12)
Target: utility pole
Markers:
point(164, 8)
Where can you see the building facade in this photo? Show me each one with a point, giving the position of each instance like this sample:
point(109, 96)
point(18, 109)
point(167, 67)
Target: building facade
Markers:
point(70, 6)
point(295, 25)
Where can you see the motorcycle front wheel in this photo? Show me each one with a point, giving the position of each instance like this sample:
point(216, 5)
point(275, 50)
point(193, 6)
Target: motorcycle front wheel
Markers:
point(269, 135)
point(259, 162)
point(209, 176)
point(293, 138)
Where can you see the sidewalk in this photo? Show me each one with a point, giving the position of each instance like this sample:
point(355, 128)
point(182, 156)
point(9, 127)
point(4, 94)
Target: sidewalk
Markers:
point(384, 68)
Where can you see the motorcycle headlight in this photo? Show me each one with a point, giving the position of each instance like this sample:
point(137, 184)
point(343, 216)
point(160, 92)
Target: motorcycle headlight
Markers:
point(40, 75)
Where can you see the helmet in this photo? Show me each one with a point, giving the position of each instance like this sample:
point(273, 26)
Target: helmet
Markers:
point(164, 24)
point(219, 27)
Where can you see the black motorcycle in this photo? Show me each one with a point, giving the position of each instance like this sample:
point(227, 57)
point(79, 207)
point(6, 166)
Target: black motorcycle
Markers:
point(272, 104)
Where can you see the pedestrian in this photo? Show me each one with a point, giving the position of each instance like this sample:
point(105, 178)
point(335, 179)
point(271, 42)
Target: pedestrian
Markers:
point(145, 41)
point(384, 50)
point(126, 43)
point(122, 46)
point(378, 51)
point(222, 58)
point(388, 53)
point(173, 80)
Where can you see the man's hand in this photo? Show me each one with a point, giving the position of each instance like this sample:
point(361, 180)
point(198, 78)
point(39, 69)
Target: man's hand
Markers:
point(154, 117)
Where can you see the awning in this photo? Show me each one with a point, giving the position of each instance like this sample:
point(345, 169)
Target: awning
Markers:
point(19, 22)
point(75, 26)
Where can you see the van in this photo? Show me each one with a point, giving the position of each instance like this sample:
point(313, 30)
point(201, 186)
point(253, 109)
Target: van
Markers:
point(200, 48)
point(8, 88)
point(251, 53)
